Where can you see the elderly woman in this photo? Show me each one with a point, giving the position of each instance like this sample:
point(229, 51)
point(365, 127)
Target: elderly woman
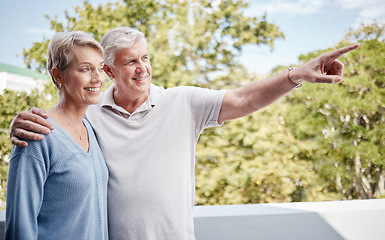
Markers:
point(57, 187)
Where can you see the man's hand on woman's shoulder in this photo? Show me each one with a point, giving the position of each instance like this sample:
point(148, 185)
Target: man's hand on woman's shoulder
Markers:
point(31, 124)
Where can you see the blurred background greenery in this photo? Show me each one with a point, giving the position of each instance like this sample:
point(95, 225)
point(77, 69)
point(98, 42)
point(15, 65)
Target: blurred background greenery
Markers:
point(320, 142)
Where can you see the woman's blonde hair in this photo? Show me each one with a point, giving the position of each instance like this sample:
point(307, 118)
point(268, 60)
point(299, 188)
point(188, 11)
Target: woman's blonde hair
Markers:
point(59, 49)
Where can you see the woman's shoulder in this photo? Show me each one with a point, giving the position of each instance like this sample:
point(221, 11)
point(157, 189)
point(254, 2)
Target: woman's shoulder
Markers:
point(35, 150)
point(39, 149)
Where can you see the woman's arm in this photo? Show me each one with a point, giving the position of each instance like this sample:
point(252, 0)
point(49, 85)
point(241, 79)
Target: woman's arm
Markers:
point(25, 185)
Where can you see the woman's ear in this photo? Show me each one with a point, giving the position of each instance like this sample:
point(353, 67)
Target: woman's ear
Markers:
point(56, 75)
point(107, 70)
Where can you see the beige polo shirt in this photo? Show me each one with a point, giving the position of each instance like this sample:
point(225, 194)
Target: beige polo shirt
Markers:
point(150, 155)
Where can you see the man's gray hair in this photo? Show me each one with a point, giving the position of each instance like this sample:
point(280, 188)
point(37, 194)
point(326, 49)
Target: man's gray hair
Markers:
point(59, 49)
point(118, 39)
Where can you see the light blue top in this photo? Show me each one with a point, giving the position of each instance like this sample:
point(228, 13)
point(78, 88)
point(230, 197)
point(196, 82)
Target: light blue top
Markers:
point(56, 190)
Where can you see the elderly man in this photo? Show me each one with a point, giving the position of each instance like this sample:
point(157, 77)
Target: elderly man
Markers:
point(148, 134)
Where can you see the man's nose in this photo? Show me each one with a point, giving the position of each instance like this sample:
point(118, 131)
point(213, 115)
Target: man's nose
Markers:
point(140, 67)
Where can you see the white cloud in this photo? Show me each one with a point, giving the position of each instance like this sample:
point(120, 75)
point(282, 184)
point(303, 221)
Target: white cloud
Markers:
point(353, 4)
point(367, 9)
point(39, 31)
point(371, 12)
point(287, 6)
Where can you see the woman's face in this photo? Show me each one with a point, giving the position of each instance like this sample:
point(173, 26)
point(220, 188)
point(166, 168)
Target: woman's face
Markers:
point(83, 78)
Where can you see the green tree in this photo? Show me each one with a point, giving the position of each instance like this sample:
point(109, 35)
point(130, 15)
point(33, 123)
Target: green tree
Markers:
point(312, 145)
point(350, 117)
point(190, 41)
point(321, 142)
point(256, 159)
point(11, 103)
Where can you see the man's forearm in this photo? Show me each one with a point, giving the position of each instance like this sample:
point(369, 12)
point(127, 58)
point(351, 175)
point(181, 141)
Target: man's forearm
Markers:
point(245, 100)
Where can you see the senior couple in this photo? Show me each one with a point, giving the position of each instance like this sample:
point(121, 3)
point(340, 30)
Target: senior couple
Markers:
point(57, 186)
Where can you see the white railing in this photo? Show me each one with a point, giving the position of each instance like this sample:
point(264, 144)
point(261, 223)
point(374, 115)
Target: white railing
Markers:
point(352, 220)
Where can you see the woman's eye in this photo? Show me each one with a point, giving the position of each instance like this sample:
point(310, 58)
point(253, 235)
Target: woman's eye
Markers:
point(85, 70)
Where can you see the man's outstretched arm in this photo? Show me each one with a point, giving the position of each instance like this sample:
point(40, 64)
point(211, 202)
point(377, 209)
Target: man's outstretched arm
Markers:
point(31, 124)
point(245, 100)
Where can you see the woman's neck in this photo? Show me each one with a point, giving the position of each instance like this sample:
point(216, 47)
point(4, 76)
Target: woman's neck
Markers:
point(71, 120)
point(73, 113)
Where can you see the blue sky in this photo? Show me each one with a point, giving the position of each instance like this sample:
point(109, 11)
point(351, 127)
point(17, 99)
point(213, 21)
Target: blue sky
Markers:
point(308, 25)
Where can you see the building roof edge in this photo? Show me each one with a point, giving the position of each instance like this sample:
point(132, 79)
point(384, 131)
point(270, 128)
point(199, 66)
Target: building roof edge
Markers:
point(22, 71)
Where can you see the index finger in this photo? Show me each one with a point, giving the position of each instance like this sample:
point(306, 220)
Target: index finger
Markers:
point(39, 112)
point(341, 51)
point(26, 119)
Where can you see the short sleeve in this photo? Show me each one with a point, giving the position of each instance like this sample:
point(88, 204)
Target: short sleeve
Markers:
point(205, 106)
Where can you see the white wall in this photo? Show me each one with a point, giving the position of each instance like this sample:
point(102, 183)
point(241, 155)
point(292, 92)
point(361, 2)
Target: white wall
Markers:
point(352, 220)
point(335, 220)
point(17, 82)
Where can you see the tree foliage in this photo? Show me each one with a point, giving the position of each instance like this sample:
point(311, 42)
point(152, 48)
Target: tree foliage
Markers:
point(189, 40)
point(11, 103)
point(320, 142)
point(256, 159)
point(350, 117)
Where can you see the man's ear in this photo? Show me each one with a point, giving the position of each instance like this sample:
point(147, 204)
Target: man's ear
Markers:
point(107, 70)
point(56, 74)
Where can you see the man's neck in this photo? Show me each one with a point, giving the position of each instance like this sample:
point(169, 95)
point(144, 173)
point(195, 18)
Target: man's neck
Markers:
point(128, 103)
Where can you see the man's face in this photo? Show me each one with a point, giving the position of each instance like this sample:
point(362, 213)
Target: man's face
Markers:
point(132, 70)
